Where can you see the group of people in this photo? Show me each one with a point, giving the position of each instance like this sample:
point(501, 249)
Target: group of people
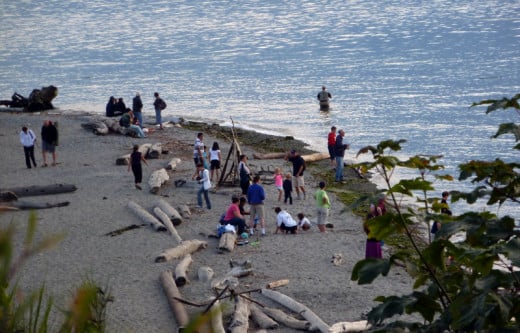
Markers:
point(49, 137)
point(336, 147)
point(116, 107)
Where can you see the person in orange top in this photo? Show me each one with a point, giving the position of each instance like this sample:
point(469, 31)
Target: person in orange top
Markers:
point(331, 143)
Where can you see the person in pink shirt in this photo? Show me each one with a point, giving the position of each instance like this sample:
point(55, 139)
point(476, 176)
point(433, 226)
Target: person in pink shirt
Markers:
point(278, 182)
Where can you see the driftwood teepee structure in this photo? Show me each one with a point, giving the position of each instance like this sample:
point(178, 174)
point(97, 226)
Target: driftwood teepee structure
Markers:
point(231, 176)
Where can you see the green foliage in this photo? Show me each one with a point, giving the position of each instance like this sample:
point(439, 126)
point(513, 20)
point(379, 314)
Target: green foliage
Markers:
point(469, 285)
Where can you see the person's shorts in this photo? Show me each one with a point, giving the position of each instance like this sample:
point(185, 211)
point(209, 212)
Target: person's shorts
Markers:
point(48, 147)
point(257, 210)
point(323, 213)
point(300, 181)
point(214, 164)
point(331, 152)
point(291, 230)
point(279, 188)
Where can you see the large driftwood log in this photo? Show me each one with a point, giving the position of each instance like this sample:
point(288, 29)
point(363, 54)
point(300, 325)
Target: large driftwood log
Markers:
point(145, 216)
point(350, 326)
point(261, 319)
point(205, 273)
point(227, 241)
point(308, 158)
point(172, 293)
point(167, 223)
point(240, 322)
point(28, 191)
point(181, 270)
point(316, 322)
point(155, 151)
point(23, 205)
point(157, 179)
point(97, 126)
point(286, 320)
point(186, 247)
point(172, 213)
point(143, 149)
point(172, 164)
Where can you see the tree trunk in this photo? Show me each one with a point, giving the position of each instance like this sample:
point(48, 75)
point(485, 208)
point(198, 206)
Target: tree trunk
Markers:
point(179, 312)
point(98, 127)
point(181, 269)
point(29, 191)
point(227, 241)
point(167, 223)
point(157, 178)
point(145, 216)
point(261, 319)
point(33, 205)
point(172, 213)
point(186, 247)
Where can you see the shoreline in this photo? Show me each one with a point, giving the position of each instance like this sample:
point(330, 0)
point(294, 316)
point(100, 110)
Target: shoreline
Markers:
point(126, 262)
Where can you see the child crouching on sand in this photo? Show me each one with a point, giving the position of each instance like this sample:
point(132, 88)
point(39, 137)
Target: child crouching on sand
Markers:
point(303, 222)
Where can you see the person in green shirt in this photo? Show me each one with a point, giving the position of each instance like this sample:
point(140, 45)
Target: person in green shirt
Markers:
point(323, 205)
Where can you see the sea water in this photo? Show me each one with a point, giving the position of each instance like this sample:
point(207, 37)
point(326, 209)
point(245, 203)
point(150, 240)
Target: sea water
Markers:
point(396, 69)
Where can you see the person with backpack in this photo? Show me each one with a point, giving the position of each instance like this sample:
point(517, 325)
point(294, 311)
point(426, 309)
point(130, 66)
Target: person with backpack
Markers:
point(159, 104)
point(324, 96)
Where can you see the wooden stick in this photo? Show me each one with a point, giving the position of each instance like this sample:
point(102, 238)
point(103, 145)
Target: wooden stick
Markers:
point(145, 216)
point(181, 269)
point(29, 191)
point(186, 247)
point(179, 312)
point(350, 326)
point(276, 284)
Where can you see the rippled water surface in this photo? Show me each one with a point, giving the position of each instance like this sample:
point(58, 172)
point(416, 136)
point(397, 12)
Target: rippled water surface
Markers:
point(396, 69)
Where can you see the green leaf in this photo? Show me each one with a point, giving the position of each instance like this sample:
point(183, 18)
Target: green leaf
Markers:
point(509, 128)
point(367, 270)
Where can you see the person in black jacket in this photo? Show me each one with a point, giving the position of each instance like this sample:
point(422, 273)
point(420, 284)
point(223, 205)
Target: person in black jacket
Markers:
point(339, 152)
point(137, 108)
point(49, 141)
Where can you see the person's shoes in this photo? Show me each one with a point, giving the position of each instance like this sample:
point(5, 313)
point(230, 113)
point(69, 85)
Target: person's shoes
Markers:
point(138, 187)
point(44, 165)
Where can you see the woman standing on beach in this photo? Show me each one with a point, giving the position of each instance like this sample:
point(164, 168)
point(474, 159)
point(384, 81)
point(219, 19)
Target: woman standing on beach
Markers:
point(215, 158)
point(135, 164)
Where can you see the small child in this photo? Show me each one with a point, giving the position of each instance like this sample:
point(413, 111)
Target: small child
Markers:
point(278, 182)
point(287, 188)
point(303, 222)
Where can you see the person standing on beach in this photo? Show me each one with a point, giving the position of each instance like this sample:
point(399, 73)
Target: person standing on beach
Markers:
point(198, 149)
point(159, 104)
point(27, 139)
point(445, 209)
point(339, 152)
point(49, 135)
point(137, 108)
point(278, 182)
point(323, 206)
point(255, 198)
point(134, 164)
point(287, 188)
point(331, 145)
point(244, 173)
point(373, 245)
point(202, 175)
point(214, 160)
point(298, 168)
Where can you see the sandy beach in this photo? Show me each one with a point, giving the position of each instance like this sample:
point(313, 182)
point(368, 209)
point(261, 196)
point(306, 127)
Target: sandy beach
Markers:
point(126, 263)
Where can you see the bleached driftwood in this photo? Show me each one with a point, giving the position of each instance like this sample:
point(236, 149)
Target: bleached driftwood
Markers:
point(172, 213)
point(157, 179)
point(8, 209)
point(155, 151)
point(316, 322)
point(308, 158)
point(186, 247)
point(172, 293)
point(240, 322)
point(180, 270)
point(276, 284)
point(185, 211)
point(143, 149)
point(261, 319)
point(24, 205)
point(350, 326)
point(230, 282)
point(34, 190)
point(205, 273)
point(268, 156)
point(145, 216)
point(315, 157)
point(167, 223)
point(227, 241)
point(97, 127)
point(172, 164)
point(286, 320)
point(216, 318)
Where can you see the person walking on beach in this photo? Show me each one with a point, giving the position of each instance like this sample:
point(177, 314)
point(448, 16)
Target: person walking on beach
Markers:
point(278, 182)
point(137, 108)
point(445, 209)
point(331, 145)
point(298, 168)
point(214, 160)
point(134, 164)
point(287, 188)
point(323, 206)
point(159, 104)
point(244, 174)
point(255, 198)
point(339, 152)
point(49, 136)
point(198, 149)
point(27, 139)
point(202, 175)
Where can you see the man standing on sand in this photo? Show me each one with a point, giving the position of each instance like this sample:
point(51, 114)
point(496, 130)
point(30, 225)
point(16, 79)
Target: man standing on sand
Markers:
point(331, 145)
point(27, 139)
point(159, 104)
point(298, 168)
point(255, 198)
point(323, 206)
point(339, 151)
point(137, 108)
point(49, 141)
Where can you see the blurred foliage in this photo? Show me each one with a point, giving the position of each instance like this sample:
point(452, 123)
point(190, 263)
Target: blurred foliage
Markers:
point(468, 285)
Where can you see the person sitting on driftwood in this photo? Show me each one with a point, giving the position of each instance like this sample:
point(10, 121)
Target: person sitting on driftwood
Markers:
point(234, 217)
point(285, 222)
point(127, 121)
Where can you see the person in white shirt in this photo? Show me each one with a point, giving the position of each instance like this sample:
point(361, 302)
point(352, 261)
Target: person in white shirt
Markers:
point(202, 176)
point(27, 139)
point(303, 222)
point(285, 222)
point(214, 160)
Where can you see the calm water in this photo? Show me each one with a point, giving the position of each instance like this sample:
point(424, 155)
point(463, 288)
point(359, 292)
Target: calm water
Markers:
point(396, 69)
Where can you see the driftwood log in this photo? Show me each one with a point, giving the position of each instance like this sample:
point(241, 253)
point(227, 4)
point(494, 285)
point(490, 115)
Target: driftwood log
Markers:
point(186, 247)
point(171, 212)
point(316, 322)
point(24, 205)
point(216, 318)
point(240, 322)
point(157, 179)
point(172, 293)
point(8, 196)
point(227, 241)
point(205, 273)
point(286, 320)
point(261, 319)
point(185, 211)
point(276, 284)
point(172, 164)
point(28, 191)
point(143, 149)
point(350, 326)
point(145, 216)
point(155, 151)
point(181, 270)
point(308, 158)
point(167, 223)
point(97, 127)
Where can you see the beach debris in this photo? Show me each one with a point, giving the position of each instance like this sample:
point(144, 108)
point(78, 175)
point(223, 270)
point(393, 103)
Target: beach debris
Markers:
point(97, 127)
point(145, 216)
point(205, 273)
point(28, 191)
point(180, 270)
point(185, 211)
point(173, 294)
point(227, 241)
point(120, 231)
point(171, 212)
point(286, 320)
point(125, 159)
point(172, 164)
point(165, 219)
point(39, 99)
point(155, 151)
point(186, 247)
point(278, 283)
point(23, 205)
point(157, 179)
point(350, 326)
point(337, 259)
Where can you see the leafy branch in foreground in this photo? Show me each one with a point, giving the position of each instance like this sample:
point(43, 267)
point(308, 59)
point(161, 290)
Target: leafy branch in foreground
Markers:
point(466, 285)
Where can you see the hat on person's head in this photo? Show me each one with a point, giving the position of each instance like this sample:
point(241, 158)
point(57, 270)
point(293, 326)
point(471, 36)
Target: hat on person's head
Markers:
point(322, 184)
point(293, 151)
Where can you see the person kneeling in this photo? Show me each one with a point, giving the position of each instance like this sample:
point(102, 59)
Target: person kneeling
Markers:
point(285, 222)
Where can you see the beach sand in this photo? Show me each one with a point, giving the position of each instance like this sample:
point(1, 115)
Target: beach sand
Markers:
point(126, 263)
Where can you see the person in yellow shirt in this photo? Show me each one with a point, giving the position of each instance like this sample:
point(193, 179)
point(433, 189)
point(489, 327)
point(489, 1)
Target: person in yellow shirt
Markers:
point(323, 205)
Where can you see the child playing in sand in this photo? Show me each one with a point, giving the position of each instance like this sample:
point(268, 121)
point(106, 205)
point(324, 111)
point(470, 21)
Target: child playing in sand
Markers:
point(278, 182)
point(303, 222)
point(287, 188)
